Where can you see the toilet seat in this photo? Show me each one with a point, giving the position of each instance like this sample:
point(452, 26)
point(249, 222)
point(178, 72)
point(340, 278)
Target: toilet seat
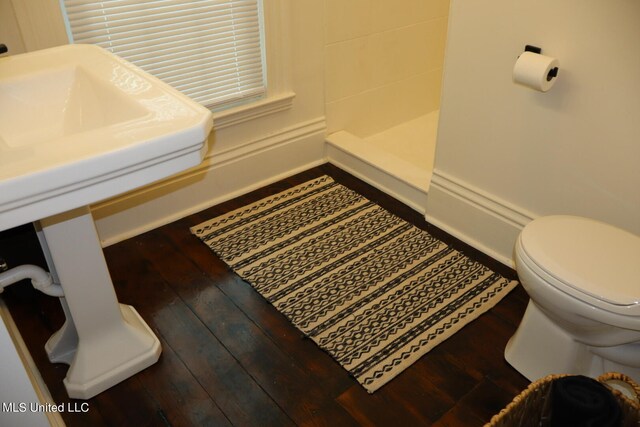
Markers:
point(576, 256)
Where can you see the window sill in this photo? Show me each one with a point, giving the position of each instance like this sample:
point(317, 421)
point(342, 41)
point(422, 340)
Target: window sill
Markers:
point(270, 105)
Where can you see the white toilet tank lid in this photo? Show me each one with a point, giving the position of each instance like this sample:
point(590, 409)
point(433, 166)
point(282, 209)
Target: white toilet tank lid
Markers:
point(590, 256)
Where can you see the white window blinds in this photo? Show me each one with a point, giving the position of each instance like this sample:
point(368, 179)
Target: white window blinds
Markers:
point(211, 50)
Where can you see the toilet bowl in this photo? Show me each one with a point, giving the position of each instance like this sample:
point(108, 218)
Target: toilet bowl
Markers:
point(583, 317)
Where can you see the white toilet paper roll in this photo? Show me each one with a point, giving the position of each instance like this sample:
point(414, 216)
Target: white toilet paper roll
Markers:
point(536, 71)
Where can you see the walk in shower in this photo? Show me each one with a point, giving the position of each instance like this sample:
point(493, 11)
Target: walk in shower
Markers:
point(383, 72)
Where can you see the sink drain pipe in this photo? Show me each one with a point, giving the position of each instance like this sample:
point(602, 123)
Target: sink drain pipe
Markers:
point(40, 279)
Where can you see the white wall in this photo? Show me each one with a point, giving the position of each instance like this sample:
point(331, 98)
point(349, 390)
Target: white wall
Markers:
point(506, 154)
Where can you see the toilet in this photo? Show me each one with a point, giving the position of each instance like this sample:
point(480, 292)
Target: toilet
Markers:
point(583, 316)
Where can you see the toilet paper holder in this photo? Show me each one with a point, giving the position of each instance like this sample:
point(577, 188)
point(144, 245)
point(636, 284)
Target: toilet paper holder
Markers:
point(535, 49)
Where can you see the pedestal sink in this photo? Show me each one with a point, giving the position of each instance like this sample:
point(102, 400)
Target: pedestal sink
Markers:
point(79, 125)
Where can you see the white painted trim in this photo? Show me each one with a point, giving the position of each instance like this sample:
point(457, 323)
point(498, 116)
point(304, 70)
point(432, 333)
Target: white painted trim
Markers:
point(481, 199)
point(222, 176)
point(244, 113)
point(278, 45)
point(481, 219)
point(300, 130)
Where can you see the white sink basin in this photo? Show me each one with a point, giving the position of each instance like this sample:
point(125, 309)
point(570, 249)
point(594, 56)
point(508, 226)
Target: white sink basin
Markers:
point(78, 125)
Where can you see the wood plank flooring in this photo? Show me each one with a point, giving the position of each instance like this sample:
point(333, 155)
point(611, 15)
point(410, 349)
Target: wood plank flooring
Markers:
point(229, 358)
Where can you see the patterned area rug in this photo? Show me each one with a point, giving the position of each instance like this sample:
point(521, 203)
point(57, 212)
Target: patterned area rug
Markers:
point(372, 290)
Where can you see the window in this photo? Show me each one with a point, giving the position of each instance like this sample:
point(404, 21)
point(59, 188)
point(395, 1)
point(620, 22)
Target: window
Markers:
point(211, 50)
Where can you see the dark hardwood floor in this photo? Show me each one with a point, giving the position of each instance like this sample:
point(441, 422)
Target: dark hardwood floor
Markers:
point(229, 358)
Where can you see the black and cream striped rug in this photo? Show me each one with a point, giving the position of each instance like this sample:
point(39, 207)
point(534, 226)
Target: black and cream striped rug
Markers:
point(372, 290)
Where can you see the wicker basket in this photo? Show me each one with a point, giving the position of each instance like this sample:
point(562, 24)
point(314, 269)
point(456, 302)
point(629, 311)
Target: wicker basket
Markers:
point(528, 407)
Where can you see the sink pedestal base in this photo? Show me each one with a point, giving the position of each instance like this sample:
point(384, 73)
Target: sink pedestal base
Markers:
point(104, 342)
point(62, 346)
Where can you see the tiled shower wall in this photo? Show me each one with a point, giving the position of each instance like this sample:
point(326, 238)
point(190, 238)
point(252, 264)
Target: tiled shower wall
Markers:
point(383, 62)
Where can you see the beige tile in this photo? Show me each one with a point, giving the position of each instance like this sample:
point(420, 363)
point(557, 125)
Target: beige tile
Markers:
point(400, 53)
point(372, 111)
point(352, 114)
point(347, 68)
point(388, 67)
point(431, 9)
point(402, 101)
point(347, 19)
point(407, 51)
point(435, 42)
point(387, 15)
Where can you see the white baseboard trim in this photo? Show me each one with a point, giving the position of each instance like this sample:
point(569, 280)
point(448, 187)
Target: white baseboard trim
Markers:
point(235, 116)
point(221, 177)
point(481, 219)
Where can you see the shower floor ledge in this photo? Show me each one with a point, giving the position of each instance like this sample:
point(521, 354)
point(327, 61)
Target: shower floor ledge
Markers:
point(376, 166)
